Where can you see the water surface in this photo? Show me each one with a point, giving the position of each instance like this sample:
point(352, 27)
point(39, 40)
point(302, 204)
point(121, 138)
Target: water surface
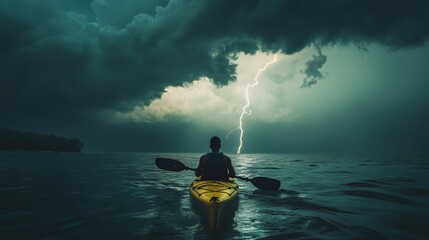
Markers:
point(124, 196)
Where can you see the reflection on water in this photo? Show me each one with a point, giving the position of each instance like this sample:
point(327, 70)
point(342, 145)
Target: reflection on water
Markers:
point(80, 196)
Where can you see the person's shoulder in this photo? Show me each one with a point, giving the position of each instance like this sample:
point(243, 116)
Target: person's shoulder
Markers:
point(203, 157)
point(226, 158)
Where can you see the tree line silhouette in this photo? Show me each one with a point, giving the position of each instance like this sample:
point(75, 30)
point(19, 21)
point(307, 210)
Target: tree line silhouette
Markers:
point(14, 140)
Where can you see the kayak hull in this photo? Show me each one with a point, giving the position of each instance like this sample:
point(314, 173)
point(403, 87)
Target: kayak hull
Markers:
point(215, 199)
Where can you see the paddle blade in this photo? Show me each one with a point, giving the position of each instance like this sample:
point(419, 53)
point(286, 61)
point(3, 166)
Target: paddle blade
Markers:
point(170, 164)
point(265, 183)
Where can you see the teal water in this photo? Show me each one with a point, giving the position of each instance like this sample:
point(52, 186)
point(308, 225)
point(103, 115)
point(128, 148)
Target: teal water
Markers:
point(124, 196)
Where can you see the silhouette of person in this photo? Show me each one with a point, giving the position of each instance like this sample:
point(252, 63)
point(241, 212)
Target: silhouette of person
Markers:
point(215, 165)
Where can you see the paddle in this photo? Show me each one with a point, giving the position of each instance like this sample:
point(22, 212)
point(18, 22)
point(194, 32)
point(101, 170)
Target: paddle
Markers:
point(263, 183)
point(171, 165)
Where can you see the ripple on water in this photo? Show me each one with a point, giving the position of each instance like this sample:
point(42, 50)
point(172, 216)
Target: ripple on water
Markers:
point(412, 223)
point(380, 196)
point(379, 182)
point(367, 232)
point(418, 192)
point(361, 184)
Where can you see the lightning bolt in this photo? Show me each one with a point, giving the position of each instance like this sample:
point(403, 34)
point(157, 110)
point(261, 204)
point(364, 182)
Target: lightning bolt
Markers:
point(244, 111)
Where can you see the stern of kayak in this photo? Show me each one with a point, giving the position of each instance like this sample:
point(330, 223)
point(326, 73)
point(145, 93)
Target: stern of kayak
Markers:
point(214, 199)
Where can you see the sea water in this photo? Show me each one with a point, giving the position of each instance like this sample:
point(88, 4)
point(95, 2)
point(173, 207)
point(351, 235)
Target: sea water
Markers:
point(125, 196)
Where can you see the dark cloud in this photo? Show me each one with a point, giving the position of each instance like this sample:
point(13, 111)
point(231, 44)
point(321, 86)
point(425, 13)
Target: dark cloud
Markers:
point(63, 58)
point(312, 69)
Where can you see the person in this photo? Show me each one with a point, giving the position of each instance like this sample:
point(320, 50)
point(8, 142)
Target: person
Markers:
point(215, 165)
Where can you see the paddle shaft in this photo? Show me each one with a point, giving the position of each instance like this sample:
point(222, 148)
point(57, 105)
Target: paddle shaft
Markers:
point(259, 182)
point(242, 178)
point(192, 169)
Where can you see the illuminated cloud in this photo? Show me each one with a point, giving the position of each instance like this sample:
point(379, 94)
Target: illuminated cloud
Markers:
point(203, 102)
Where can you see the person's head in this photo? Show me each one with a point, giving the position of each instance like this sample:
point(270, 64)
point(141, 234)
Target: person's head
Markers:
point(215, 143)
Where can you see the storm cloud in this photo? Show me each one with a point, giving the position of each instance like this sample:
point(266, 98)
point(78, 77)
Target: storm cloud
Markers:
point(61, 59)
point(312, 69)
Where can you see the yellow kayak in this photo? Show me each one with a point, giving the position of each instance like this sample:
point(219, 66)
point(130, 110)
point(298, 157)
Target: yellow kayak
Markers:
point(214, 197)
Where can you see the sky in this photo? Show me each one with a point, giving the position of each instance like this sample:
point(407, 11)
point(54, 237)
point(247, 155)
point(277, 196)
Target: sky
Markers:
point(166, 75)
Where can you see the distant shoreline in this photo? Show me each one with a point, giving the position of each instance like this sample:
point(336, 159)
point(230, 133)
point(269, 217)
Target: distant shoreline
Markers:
point(18, 141)
point(28, 151)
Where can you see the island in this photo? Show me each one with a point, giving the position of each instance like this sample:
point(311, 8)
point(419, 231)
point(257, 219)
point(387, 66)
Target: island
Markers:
point(14, 140)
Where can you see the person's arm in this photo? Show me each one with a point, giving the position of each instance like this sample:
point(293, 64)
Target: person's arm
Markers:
point(200, 166)
point(231, 171)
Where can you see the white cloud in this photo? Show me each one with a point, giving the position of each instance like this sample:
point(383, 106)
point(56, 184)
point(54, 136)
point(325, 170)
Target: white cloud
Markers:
point(199, 100)
point(202, 102)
